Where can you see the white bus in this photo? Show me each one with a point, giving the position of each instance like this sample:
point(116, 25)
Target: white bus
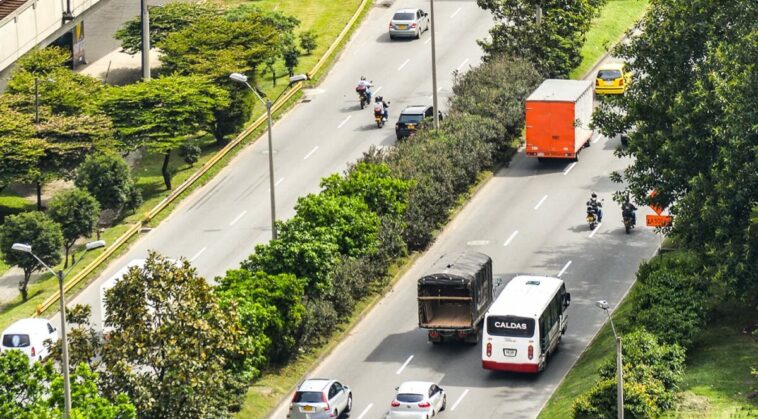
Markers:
point(525, 323)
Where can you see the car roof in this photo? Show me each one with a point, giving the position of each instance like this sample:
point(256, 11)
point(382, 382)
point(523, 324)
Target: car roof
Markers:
point(406, 11)
point(315, 384)
point(415, 387)
point(414, 109)
point(25, 326)
point(611, 66)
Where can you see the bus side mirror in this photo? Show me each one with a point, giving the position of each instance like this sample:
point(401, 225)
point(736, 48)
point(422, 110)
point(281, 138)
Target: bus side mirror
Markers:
point(567, 299)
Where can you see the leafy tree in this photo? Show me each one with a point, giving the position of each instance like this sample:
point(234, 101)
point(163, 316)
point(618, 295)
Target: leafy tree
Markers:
point(190, 152)
point(652, 372)
point(692, 133)
point(43, 61)
point(164, 20)
point(84, 342)
point(271, 312)
point(374, 183)
point(162, 113)
point(62, 90)
point(308, 41)
point(217, 46)
point(77, 213)
point(171, 343)
point(552, 44)
point(291, 58)
point(35, 390)
point(39, 231)
point(19, 158)
point(107, 178)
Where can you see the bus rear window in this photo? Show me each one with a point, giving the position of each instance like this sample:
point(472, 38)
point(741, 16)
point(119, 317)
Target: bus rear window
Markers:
point(511, 326)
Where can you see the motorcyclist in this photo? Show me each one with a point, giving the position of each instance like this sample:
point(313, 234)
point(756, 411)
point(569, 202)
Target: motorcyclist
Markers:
point(628, 210)
point(596, 205)
point(381, 108)
point(364, 87)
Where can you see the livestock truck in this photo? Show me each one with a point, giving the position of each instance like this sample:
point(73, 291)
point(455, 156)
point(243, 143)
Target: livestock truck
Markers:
point(558, 115)
point(454, 296)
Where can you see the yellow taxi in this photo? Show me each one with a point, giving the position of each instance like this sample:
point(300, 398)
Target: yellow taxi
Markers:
point(612, 79)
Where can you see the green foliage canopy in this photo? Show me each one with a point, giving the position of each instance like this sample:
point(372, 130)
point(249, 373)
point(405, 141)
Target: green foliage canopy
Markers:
point(77, 213)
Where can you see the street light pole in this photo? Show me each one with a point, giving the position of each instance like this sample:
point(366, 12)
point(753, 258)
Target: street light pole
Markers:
point(603, 305)
point(145, 23)
point(241, 78)
point(434, 68)
point(26, 248)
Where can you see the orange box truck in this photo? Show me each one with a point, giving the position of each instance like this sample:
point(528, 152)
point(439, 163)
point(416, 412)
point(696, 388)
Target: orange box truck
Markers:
point(557, 119)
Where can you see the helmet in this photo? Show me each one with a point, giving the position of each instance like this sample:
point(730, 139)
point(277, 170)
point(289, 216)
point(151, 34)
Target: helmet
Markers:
point(594, 195)
point(363, 78)
point(379, 99)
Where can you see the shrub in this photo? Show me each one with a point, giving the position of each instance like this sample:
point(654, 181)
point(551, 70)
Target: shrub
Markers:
point(320, 321)
point(673, 299)
point(652, 372)
point(190, 152)
point(107, 178)
point(308, 41)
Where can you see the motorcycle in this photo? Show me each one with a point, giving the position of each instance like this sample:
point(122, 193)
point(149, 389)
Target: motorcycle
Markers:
point(379, 118)
point(364, 97)
point(628, 221)
point(591, 217)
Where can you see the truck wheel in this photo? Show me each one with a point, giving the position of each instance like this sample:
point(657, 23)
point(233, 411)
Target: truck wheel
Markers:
point(541, 159)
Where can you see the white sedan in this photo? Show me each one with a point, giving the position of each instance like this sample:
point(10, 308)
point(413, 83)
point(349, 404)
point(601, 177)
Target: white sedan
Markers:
point(417, 399)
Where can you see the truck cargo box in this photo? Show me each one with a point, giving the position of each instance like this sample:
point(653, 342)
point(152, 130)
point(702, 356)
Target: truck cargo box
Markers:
point(558, 115)
point(455, 295)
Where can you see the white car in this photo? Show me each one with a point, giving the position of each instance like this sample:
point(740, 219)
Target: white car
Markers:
point(318, 398)
point(29, 336)
point(417, 399)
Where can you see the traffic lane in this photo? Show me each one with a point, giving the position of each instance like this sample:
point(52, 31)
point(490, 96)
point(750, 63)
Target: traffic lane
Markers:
point(196, 229)
point(391, 350)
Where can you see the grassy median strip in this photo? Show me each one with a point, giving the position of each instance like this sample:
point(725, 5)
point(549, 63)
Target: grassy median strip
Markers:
point(326, 18)
point(607, 29)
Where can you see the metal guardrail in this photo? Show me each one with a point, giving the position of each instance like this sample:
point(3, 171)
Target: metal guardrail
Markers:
point(135, 228)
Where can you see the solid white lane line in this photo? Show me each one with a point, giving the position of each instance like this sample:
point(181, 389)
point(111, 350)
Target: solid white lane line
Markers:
point(365, 411)
point(344, 122)
point(540, 203)
point(597, 139)
point(595, 230)
point(507, 242)
point(564, 268)
point(568, 169)
point(377, 90)
point(242, 214)
point(310, 153)
point(198, 254)
point(462, 64)
point(279, 181)
point(403, 64)
point(428, 40)
point(407, 361)
point(459, 400)
point(438, 90)
point(455, 13)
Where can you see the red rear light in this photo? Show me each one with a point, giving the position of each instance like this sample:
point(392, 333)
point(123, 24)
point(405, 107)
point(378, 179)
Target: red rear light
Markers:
point(489, 349)
point(597, 82)
point(34, 352)
point(621, 82)
point(413, 25)
point(294, 396)
point(323, 399)
point(424, 404)
point(530, 353)
point(395, 403)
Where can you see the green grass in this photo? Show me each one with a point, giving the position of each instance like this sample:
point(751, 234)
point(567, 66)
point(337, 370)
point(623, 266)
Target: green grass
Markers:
point(717, 382)
point(607, 29)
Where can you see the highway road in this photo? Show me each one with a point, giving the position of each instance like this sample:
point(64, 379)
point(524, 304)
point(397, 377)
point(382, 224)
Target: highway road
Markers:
point(219, 224)
point(530, 219)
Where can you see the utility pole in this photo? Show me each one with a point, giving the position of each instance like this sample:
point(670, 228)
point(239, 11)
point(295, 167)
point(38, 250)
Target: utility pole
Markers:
point(145, 19)
point(620, 378)
point(434, 69)
point(64, 350)
point(271, 182)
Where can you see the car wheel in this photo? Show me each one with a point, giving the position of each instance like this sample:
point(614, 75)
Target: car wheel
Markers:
point(418, 34)
point(349, 406)
point(392, 36)
point(444, 402)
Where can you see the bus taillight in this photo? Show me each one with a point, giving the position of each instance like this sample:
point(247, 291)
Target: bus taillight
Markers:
point(489, 349)
point(531, 352)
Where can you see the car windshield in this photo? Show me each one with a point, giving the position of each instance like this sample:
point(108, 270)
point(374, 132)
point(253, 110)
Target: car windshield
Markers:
point(15, 341)
point(410, 119)
point(409, 397)
point(608, 74)
point(521, 327)
point(307, 397)
point(404, 16)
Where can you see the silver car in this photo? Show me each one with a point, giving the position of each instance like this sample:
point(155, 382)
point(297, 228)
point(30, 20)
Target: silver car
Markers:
point(417, 399)
point(409, 23)
point(318, 398)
